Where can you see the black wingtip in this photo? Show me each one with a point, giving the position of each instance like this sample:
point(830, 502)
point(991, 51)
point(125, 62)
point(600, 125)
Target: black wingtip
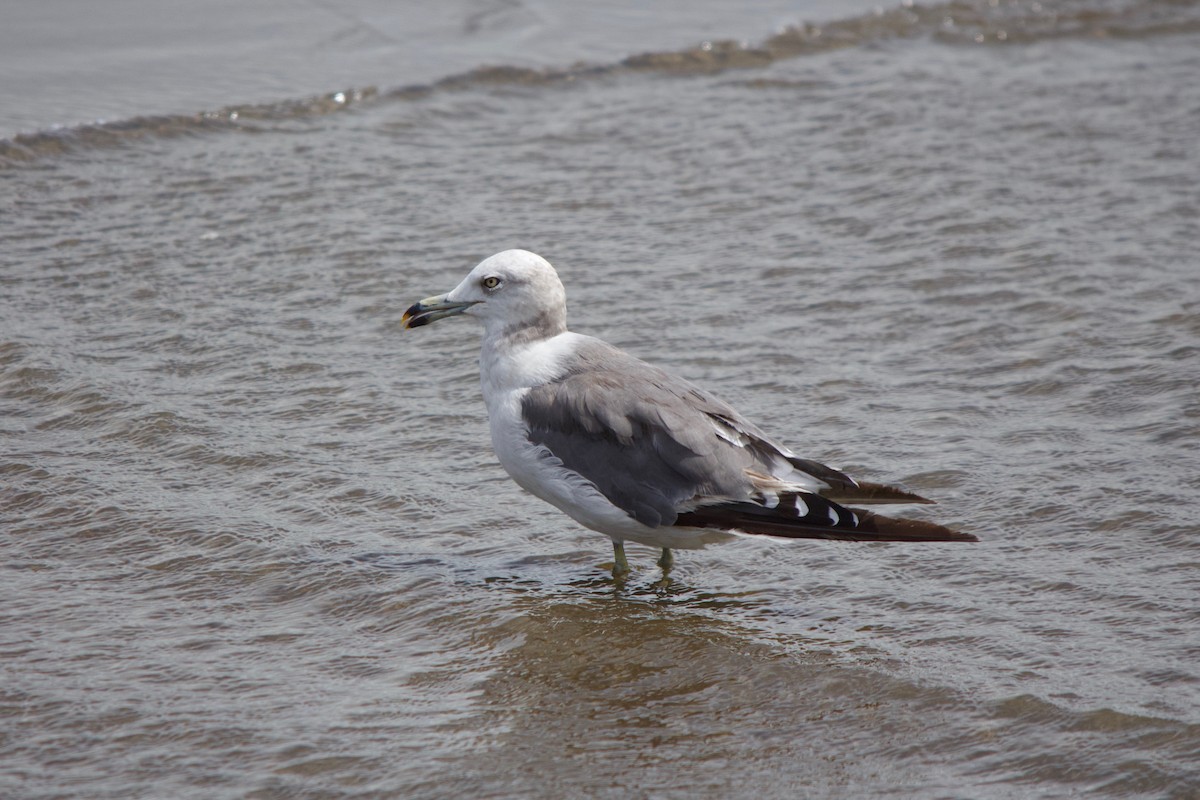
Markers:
point(809, 516)
point(900, 529)
point(865, 493)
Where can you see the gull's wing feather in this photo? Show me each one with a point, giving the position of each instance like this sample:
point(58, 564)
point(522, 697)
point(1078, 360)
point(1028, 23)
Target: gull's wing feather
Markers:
point(666, 453)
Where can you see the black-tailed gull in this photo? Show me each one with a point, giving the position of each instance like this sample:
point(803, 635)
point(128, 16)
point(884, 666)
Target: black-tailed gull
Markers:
point(635, 452)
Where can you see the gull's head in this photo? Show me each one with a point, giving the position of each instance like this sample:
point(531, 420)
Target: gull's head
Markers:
point(510, 292)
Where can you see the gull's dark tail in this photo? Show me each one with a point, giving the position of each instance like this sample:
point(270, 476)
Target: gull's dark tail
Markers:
point(801, 515)
point(844, 489)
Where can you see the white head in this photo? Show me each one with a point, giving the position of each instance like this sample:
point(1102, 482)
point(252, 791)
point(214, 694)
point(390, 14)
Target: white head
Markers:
point(515, 292)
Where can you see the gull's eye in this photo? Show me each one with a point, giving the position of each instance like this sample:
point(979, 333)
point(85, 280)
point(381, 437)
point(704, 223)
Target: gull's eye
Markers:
point(491, 282)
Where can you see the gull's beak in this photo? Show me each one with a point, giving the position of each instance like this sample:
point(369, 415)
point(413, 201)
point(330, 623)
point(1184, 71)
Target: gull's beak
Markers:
point(431, 309)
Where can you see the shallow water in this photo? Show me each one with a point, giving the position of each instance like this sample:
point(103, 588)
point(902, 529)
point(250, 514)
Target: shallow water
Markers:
point(255, 543)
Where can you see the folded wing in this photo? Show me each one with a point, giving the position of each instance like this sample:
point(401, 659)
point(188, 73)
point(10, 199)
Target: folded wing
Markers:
point(668, 453)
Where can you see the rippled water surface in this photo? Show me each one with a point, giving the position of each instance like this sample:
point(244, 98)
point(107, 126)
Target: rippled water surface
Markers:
point(255, 543)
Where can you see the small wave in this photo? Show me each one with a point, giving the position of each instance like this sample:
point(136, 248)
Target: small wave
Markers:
point(99, 135)
point(981, 22)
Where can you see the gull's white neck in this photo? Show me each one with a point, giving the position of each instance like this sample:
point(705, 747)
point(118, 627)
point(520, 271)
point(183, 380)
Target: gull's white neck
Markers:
point(510, 364)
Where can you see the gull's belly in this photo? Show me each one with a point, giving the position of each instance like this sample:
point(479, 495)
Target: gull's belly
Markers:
point(539, 472)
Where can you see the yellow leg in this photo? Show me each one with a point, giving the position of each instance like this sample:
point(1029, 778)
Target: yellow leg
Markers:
point(666, 561)
point(620, 564)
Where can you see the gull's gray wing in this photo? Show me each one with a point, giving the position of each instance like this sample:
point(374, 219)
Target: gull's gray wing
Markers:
point(654, 444)
point(668, 453)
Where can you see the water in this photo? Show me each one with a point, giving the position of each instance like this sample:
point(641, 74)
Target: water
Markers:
point(74, 62)
point(255, 543)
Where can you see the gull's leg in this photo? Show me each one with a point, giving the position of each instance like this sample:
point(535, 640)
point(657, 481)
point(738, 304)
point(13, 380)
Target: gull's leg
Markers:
point(620, 565)
point(666, 561)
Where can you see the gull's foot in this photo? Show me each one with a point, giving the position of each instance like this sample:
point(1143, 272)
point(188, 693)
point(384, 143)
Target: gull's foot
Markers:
point(620, 567)
point(666, 561)
point(615, 569)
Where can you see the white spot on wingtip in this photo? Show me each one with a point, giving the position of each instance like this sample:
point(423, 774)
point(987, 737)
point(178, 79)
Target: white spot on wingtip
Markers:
point(801, 506)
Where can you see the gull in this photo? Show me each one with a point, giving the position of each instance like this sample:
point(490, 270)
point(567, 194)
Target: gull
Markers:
point(633, 451)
